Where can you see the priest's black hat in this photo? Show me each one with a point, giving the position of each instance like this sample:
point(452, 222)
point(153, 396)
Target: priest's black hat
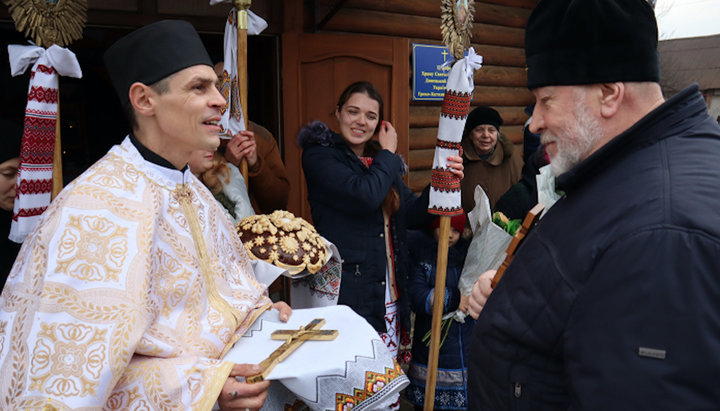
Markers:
point(483, 115)
point(573, 42)
point(153, 52)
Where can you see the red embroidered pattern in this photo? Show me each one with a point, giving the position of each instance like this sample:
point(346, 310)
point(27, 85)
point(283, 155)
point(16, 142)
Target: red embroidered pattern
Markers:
point(445, 211)
point(35, 186)
point(443, 180)
point(451, 145)
point(45, 69)
point(29, 212)
point(374, 382)
point(43, 95)
point(455, 104)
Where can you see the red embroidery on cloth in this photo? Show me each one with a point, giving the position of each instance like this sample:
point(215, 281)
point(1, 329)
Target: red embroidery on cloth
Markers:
point(374, 382)
point(43, 95)
point(29, 212)
point(455, 104)
point(443, 180)
point(45, 69)
point(450, 145)
point(35, 186)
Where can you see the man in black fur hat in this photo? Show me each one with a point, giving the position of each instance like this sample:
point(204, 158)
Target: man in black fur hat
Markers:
point(613, 300)
point(134, 284)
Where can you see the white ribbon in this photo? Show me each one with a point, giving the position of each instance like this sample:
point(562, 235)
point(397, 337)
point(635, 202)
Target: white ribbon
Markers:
point(472, 62)
point(256, 24)
point(61, 59)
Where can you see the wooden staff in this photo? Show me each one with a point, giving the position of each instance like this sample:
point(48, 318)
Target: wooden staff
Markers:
point(57, 174)
point(242, 24)
point(438, 304)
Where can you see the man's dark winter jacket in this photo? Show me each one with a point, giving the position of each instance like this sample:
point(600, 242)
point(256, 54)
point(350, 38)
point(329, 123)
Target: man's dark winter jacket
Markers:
point(613, 301)
point(345, 199)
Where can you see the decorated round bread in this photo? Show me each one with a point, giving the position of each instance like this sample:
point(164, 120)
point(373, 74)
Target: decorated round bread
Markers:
point(284, 240)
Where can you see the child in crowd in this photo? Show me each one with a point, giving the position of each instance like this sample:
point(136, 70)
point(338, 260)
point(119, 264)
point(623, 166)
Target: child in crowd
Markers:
point(451, 382)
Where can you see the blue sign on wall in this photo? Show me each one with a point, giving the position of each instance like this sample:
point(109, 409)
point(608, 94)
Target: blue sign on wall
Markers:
point(429, 76)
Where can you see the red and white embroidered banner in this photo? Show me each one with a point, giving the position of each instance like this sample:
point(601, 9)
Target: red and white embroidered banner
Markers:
point(444, 186)
point(34, 184)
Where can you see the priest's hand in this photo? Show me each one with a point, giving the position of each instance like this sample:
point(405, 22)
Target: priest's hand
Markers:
point(480, 292)
point(285, 310)
point(387, 137)
point(236, 394)
point(455, 165)
point(242, 145)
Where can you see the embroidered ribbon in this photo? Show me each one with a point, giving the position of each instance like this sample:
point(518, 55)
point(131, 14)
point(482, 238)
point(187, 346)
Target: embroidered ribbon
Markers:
point(445, 186)
point(232, 121)
point(34, 182)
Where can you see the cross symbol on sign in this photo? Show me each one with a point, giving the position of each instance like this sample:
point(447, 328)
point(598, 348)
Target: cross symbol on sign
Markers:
point(293, 340)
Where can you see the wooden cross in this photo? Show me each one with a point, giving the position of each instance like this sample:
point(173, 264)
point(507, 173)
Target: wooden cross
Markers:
point(294, 339)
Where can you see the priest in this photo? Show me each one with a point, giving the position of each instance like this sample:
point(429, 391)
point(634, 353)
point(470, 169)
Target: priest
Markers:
point(134, 285)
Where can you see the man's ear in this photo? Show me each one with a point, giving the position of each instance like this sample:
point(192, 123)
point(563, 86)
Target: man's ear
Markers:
point(612, 95)
point(141, 98)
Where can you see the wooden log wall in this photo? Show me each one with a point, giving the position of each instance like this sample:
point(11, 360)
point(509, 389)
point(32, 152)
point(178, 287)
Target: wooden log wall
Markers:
point(498, 35)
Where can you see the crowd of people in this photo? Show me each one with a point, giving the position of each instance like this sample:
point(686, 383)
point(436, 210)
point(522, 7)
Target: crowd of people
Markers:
point(137, 279)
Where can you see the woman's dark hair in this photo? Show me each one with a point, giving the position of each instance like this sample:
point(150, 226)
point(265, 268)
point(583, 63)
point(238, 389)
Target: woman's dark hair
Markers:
point(363, 87)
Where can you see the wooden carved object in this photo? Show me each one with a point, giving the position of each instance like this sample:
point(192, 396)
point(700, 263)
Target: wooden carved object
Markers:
point(528, 223)
point(294, 339)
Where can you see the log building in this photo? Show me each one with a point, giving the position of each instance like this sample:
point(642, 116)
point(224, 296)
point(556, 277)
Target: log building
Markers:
point(310, 51)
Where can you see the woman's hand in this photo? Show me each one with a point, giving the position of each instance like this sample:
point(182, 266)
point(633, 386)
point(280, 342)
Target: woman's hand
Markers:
point(480, 292)
point(242, 145)
point(455, 165)
point(388, 137)
point(236, 394)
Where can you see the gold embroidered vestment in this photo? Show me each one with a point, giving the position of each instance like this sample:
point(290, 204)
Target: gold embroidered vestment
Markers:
point(127, 295)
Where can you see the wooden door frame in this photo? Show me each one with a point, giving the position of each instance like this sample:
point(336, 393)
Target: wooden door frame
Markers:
point(296, 51)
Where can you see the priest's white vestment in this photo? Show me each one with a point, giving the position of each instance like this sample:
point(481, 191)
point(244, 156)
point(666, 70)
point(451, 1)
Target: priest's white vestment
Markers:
point(127, 294)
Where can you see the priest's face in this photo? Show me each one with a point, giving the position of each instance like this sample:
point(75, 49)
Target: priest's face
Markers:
point(566, 125)
point(358, 118)
point(8, 178)
point(188, 113)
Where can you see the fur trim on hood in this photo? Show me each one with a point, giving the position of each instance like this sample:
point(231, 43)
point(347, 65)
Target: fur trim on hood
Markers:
point(318, 133)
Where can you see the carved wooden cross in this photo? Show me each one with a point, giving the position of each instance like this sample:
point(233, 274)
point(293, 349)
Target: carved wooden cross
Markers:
point(294, 339)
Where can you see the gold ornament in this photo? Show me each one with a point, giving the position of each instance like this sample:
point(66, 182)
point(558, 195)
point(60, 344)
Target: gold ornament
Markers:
point(456, 25)
point(49, 22)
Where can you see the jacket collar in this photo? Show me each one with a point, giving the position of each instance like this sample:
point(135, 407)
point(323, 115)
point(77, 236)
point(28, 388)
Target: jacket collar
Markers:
point(495, 159)
point(671, 118)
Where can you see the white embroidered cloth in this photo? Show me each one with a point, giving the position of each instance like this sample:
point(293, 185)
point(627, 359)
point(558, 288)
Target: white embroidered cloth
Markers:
point(445, 187)
point(126, 295)
point(355, 370)
point(232, 121)
point(34, 184)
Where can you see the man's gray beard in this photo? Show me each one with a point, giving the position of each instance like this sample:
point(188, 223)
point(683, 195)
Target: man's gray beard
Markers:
point(570, 150)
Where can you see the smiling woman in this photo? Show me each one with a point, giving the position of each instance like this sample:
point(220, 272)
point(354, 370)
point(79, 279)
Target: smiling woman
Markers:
point(360, 203)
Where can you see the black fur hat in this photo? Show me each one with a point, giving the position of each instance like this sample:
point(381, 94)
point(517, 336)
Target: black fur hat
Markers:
point(572, 42)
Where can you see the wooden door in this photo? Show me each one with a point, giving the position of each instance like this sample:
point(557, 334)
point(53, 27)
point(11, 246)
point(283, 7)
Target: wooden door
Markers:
point(316, 68)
